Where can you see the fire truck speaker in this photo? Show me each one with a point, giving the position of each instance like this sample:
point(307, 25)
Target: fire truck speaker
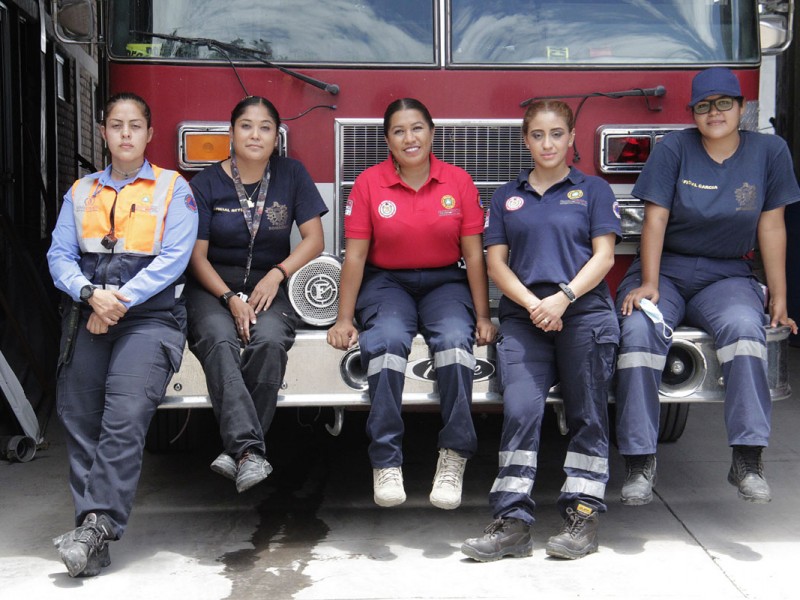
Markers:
point(314, 290)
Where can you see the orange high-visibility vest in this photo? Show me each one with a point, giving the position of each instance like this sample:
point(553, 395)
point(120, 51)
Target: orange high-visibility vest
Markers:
point(141, 207)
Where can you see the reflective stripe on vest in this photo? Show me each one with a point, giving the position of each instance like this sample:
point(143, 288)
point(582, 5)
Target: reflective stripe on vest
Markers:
point(138, 216)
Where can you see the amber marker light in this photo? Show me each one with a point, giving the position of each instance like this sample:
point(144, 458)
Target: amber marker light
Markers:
point(206, 147)
point(201, 143)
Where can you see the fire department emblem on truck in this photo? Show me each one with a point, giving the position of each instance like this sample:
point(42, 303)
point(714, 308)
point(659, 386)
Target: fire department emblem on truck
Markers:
point(423, 370)
point(321, 290)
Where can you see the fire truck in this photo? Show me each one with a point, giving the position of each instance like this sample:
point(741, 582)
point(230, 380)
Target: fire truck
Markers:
point(332, 67)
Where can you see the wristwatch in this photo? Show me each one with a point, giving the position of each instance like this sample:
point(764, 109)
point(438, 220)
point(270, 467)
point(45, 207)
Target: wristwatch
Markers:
point(86, 292)
point(226, 297)
point(568, 292)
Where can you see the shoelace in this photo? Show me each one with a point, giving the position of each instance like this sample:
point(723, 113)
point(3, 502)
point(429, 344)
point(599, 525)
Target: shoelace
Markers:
point(388, 476)
point(91, 535)
point(637, 464)
point(450, 470)
point(247, 456)
point(750, 461)
point(575, 523)
point(495, 526)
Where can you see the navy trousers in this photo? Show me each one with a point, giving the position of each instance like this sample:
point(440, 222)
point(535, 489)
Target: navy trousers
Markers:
point(530, 361)
point(392, 307)
point(243, 382)
point(721, 297)
point(107, 395)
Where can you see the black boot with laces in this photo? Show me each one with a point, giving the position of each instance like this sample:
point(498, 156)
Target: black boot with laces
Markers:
point(747, 474)
point(84, 550)
point(640, 479)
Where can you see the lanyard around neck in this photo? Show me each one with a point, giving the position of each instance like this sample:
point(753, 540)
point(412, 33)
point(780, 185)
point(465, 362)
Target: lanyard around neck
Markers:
point(251, 218)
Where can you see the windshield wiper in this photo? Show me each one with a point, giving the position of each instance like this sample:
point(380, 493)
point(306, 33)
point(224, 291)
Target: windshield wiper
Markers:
point(225, 48)
point(657, 91)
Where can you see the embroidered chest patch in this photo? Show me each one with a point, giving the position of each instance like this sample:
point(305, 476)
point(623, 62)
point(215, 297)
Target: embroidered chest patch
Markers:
point(387, 209)
point(746, 197)
point(514, 203)
point(277, 215)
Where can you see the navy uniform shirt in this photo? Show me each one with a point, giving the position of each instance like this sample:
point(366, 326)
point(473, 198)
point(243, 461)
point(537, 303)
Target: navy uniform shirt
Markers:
point(292, 198)
point(715, 208)
point(550, 237)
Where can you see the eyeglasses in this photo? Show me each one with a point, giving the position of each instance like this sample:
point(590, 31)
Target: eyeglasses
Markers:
point(721, 104)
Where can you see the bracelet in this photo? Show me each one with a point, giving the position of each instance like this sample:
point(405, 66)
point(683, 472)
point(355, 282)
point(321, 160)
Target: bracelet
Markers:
point(283, 271)
point(568, 292)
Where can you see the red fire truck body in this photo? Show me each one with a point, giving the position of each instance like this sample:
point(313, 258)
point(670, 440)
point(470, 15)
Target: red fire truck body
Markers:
point(625, 67)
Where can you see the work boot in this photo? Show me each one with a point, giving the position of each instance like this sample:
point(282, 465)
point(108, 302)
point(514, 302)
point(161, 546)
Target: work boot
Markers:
point(640, 479)
point(503, 537)
point(747, 474)
point(97, 561)
point(225, 465)
point(578, 536)
point(449, 478)
point(387, 484)
point(84, 549)
point(253, 468)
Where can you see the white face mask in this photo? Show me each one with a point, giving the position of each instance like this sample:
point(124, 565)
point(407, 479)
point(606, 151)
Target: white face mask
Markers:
point(651, 310)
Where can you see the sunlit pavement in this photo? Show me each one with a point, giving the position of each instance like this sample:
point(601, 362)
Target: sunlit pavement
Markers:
point(311, 531)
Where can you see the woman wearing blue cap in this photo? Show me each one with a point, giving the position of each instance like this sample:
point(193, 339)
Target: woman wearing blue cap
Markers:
point(710, 193)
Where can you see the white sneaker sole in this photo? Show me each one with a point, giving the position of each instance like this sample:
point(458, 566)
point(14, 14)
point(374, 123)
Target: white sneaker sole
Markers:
point(390, 501)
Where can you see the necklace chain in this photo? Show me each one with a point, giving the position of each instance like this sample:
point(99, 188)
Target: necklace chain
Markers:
point(253, 193)
point(126, 174)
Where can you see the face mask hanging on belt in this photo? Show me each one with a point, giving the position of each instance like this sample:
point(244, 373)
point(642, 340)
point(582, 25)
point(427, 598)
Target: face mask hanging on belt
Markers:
point(252, 217)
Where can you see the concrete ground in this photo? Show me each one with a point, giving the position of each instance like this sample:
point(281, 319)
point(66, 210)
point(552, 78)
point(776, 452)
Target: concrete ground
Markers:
point(312, 532)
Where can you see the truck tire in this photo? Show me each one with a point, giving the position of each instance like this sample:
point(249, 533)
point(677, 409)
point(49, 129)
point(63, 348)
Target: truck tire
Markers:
point(672, 421)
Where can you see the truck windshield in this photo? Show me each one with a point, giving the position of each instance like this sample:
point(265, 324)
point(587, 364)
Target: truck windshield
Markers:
point(288, 31)
point(478, 32)
point(603, 32)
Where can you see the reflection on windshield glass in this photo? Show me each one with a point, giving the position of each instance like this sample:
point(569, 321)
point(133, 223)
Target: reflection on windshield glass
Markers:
point(289, 31)
point(603, 31)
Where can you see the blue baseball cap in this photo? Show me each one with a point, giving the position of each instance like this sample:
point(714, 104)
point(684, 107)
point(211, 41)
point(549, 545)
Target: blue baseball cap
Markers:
point(714, 81)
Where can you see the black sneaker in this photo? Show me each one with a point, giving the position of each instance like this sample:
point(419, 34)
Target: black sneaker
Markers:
point(84, 549)
point(504, 537)
point(578, 536)
point(253, 469)
point(640, 479)
point(747, 474)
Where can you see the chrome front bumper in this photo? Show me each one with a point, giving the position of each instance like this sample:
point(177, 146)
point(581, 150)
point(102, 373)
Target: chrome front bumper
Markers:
point(320, 376)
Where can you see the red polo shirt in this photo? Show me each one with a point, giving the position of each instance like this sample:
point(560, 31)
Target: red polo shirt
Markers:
point(408, 229)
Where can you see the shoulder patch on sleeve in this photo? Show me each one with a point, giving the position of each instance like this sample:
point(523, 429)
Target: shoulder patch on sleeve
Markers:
point(190, 203)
